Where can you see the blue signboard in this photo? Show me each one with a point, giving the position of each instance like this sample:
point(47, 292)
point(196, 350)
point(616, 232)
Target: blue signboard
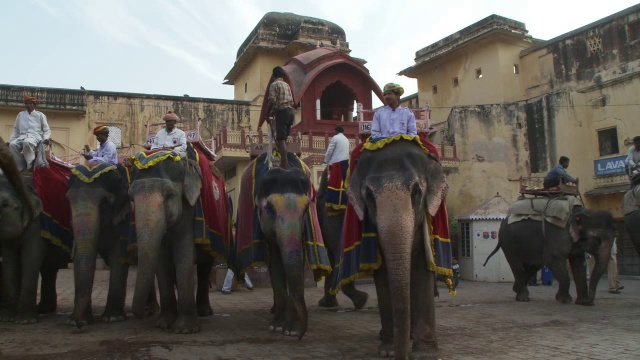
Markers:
point(610, 166)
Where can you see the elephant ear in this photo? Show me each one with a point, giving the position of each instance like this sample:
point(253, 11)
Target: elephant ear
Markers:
point(437, 186)
point(355, 194)
point(576, 227)
point(192, 185)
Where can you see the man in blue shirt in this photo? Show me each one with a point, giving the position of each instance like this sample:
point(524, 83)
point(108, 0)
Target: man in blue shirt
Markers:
point(106, 152)
point(559, 172)
point(392, 119)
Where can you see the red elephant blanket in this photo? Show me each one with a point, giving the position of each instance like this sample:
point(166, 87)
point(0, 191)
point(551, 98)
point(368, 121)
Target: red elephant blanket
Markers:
point(51, 184)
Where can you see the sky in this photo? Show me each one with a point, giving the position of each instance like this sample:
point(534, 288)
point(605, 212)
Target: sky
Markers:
point(177, 47)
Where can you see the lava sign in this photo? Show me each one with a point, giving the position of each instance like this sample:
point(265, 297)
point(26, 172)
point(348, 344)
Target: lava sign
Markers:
point(609, 166)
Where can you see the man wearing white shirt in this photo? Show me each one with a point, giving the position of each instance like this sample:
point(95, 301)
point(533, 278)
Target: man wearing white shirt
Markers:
point(393, 119)
point(170, 137)
point(30, 129)
point(106, 152)
point(633, 156)
point(338, 149)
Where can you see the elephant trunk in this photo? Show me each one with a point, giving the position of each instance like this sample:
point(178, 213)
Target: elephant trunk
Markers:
point(86, 226)
point(289, 235)
point(150, 228)
point(396, 229)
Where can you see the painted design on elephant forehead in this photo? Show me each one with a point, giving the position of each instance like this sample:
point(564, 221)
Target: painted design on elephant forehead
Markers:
point(289, 203)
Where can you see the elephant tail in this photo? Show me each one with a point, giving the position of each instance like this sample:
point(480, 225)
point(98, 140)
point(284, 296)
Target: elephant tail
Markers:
point(492, 253)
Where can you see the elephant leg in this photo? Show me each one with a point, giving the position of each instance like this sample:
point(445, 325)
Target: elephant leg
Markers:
point(202, 294)
point(579, 271)
point(558, 266)
point(183, 258)
point(381, 279)
point(279, 286)
point(32, 256)
point(359, 298)
point(423, 318)
point(166, 287)
point(119, 271)
point(521, 278)
point(328, 300)
point(54, 259)
point(10, 282)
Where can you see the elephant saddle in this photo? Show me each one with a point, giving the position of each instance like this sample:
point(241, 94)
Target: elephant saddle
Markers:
point(51, 184)
point(555, 210)
point(336, 195)
point(89, 173)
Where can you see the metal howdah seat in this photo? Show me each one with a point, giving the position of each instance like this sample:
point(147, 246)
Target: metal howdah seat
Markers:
point(533, 185)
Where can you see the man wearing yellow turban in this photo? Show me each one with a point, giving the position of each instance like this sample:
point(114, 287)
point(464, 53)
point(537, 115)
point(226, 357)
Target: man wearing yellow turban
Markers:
point(393, 119)
point(30, 129)
point(106, 152)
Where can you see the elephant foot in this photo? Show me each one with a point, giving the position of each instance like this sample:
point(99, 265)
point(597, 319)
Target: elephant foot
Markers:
point(152, 308)
point(422, 350)
point(26, 319)
point(386, 349)
point(204, 310)
point(328, 302)
point(186, 324)
point(47, 307)
point(276, 326)
point(79, 323)
point(293, 330)
point(166, 321)
point(359, 299)
point(113, 315)
point(564, 298)
point(584, 302)
point(523, 297)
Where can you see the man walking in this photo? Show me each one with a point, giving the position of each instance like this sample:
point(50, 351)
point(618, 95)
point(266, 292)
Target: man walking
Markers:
point(338, 149)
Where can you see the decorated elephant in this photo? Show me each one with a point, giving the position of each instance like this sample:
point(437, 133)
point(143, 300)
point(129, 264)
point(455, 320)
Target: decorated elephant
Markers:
point(100, 216)
point(170, 216)
point(31, 241)
point(331, 206)
point(278, 227)
point(396, 227)
point(631, 210)
point(567, 232)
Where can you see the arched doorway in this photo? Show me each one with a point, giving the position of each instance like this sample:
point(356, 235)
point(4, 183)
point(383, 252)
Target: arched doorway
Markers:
point(336, 102)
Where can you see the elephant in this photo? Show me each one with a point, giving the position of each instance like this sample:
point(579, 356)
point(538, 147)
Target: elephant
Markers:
point(529, 244)
point(24, 252)
point(277, 226)
point(100, 214)
point(331, 226)
point(396, 188)
point(164, 196)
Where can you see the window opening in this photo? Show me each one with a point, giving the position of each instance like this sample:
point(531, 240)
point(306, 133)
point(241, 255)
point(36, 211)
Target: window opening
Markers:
point(465, 239)
point(455, 82)
point(479, 73)
point(608, 141)
point(434, 89)
point(516, 69)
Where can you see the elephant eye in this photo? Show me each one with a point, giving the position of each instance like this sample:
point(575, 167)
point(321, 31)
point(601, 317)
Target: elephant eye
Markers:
point(270, 209)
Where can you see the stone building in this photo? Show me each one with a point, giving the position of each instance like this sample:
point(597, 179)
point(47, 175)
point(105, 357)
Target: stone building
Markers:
point(515, 104)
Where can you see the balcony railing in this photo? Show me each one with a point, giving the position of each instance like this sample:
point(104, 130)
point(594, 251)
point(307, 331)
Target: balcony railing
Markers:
point(309, 144)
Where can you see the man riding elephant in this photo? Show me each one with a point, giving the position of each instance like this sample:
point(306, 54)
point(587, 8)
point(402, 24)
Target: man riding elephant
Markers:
point(30, 130)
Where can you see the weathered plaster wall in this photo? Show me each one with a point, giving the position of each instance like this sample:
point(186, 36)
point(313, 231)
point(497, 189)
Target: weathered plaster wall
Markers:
point(492, 151)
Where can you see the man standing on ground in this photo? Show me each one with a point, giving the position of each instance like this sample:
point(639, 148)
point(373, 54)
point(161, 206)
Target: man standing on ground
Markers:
point(170, 137)
point(30, 129)
point(338, 149)
point(552, 179)
point(281, 107)
point(106, 152)
point(612, 271)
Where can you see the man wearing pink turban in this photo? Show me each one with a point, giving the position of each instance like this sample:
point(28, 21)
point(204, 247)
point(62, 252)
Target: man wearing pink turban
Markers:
point(170, 137)
point(30, 129)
